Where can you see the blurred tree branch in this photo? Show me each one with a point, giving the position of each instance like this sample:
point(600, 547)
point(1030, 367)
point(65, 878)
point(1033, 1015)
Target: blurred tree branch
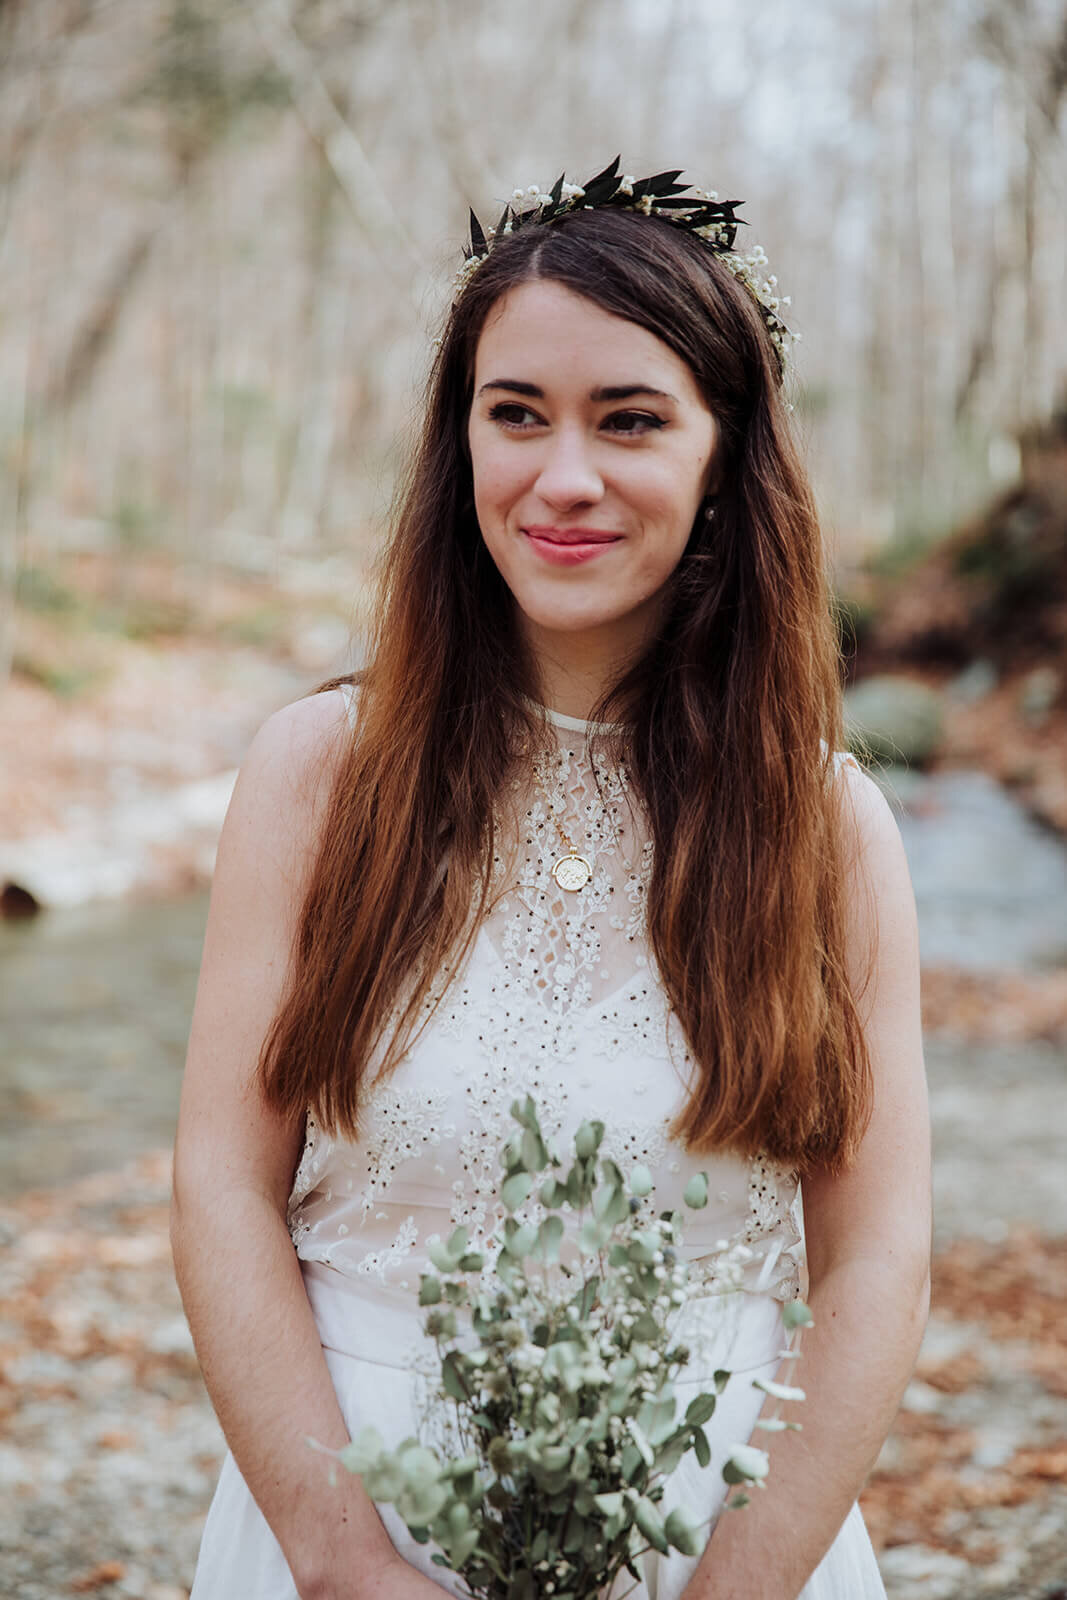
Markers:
point(336, 139)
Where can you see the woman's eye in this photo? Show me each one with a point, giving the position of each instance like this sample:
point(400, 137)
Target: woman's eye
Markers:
point(512, 415)
point(632, 422)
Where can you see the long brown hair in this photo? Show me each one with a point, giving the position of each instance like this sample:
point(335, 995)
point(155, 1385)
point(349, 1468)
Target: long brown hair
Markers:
point(727, 727)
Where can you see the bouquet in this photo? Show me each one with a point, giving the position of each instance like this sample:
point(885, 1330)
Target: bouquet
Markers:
point(557, 1365)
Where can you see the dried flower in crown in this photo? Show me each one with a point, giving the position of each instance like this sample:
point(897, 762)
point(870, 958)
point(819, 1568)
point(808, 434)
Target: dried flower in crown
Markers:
point(697, 211)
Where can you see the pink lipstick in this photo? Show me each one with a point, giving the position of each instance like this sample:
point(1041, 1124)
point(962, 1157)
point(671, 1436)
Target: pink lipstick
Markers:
point(566, 547)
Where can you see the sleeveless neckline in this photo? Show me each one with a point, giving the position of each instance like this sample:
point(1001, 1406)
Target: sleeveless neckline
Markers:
point(568, 724)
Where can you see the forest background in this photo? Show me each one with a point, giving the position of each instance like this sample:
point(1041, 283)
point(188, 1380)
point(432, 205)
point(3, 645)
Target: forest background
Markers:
point(228, 230)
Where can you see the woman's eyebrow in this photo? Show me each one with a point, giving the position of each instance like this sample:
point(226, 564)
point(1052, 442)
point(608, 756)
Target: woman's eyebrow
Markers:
point(614, 391)
point(627, 391)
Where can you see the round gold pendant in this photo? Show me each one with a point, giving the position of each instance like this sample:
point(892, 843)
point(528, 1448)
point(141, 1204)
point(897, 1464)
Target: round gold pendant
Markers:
point(572, 872)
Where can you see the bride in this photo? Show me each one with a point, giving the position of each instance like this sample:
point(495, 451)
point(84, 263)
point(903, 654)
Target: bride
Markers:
point(581, 830)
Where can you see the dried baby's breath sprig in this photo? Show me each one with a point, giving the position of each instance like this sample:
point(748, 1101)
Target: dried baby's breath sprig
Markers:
point(697, 211)
point(558, 1355)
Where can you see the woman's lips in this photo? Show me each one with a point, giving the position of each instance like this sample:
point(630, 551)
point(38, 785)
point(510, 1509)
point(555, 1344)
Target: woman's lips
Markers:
point(566, 547)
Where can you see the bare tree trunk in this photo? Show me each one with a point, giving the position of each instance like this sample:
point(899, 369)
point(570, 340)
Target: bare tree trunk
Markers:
point(341, 149)
point(326, 318)
point(13, 507)
point(937, 267)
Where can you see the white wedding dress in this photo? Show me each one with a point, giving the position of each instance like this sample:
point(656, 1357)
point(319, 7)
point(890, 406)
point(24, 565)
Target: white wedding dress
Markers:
point(559, 999)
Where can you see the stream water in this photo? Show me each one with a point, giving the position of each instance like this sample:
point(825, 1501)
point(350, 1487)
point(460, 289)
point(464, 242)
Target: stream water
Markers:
point(96, 1005)
point(96, 1002)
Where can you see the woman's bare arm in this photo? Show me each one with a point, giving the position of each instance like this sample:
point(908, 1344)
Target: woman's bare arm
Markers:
point(234, 1161)
point(868, 1247)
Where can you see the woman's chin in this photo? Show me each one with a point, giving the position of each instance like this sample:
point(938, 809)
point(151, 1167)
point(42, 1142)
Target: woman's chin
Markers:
point(575, 619)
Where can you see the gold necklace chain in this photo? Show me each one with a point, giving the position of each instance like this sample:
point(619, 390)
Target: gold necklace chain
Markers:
point(572, 871)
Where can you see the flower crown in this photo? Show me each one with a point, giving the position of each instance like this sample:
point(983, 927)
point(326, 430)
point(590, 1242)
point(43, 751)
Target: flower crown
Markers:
point(697, 211)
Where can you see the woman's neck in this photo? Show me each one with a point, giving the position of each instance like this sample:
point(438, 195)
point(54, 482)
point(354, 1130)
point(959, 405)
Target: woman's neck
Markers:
point(576, 670)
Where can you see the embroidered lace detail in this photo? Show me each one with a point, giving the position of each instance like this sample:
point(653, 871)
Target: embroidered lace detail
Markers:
point(560, 999)
point(558, 942)
point(378, 1262)
point(401, 1125)
point(311, 1164)
point(774, 1228)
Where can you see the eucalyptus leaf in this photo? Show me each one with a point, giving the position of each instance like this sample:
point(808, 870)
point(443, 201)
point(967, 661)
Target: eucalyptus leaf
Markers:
point(516, 1189)
point(522, 1241)
point(669, 1455)
point(549, 1238)
point(418, 1461)
point(441, 1257)
point(641, 1444)
point(640, 1181)
point(682, 1533)
point(534, 1154)
point(700, 1410)
point(656, 1418)
point(650, 1523)
point(459, 1518)
point(795, 1314)
point(457, 1242)
point(539, 1547)
point(525, 1113)
point(573, 1533)
point(418, 1503)
point(464, 1548)
point(452, 1377)
point(593, 1236)
point(587, 1140)
point(696, 1191)
point(611, 1172)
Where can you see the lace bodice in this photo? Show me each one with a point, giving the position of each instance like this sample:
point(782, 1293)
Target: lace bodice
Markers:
point(560, 999)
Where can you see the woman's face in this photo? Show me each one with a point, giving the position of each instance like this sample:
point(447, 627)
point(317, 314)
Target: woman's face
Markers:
point(592, 449)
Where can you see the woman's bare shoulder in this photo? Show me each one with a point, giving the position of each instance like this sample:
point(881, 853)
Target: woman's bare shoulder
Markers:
point(286, 778)
point(869, 822)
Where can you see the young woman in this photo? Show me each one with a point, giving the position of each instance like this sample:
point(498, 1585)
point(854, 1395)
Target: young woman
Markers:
point(580, 832)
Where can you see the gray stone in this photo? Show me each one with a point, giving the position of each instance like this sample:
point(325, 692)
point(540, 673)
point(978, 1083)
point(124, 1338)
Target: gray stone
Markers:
point(914, 1570)
point(973, 683)
point(894, 718)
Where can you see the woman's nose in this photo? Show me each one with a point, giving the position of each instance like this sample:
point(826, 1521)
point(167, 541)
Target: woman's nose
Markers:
point(568, 474)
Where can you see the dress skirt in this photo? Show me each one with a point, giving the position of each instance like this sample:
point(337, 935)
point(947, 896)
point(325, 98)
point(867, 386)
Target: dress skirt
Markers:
point(376, 1354)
